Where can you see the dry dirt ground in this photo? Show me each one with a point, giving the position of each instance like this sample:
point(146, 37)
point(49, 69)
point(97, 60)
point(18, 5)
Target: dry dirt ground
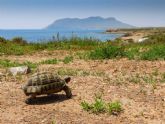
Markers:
point(138, 85)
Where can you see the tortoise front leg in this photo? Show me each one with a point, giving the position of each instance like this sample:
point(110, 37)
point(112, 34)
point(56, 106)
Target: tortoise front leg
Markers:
point(67, 91)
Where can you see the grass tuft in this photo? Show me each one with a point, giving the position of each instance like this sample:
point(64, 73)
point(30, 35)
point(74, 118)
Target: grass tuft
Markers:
point(114, 108)
point(49, 61)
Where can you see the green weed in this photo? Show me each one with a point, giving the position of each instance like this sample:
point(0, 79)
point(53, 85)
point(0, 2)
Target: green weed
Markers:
point(30, 64)
point(86, 106)
point(114, 108)
point(99, 106)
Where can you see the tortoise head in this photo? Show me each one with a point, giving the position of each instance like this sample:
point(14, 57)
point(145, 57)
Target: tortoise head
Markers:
point(67, 79)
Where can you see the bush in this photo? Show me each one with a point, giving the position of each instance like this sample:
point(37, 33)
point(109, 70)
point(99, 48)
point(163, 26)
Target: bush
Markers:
point(155, 53)
point(155, 39)
point(2, 40)
point(19, 40)
point(132, 53)
point(107, 52)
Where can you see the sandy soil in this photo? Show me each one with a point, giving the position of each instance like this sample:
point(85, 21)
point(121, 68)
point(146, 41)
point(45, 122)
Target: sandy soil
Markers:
point(142, 102)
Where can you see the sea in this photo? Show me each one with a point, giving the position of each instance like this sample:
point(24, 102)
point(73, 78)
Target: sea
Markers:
point(49, 35)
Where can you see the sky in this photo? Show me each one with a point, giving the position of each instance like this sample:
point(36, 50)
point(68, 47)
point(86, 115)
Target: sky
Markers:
point(37, 14)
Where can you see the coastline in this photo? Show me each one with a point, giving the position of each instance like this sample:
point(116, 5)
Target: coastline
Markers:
point(136, 34)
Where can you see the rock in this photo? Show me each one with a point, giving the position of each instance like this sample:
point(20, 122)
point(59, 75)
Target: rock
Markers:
point(19, 70)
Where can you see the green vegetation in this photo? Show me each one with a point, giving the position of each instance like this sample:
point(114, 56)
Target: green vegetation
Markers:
point(30, 64)
point(107, 52)
point(19, 40)
point(49, 61)
point(99, 106)
point(114, 107)
point(151, 49)
point(8, 63)
point(155, 53)
point(18, 46)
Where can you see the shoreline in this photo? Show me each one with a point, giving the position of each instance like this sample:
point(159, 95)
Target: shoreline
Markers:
point(136, 34)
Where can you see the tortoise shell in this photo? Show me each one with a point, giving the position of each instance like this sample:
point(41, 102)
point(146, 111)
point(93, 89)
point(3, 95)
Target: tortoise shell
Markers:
point(44, 83)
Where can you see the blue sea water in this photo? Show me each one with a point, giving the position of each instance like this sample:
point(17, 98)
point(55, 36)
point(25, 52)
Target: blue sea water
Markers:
point(47, 35)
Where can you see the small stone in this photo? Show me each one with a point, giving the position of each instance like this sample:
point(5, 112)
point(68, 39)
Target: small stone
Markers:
point(19, 70)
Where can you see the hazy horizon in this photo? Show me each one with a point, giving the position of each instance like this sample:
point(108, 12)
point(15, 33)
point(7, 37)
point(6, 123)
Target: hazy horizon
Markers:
point(37, 14)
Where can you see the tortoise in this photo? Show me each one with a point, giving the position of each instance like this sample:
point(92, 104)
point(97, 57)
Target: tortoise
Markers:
point(46, 83)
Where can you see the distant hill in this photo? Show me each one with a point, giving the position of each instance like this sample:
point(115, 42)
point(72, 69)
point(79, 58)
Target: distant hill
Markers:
point(91, 23)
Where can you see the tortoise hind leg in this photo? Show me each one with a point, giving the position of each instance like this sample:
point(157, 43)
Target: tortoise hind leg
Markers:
point(30, 99)
point(67, 91)
point(33, 96)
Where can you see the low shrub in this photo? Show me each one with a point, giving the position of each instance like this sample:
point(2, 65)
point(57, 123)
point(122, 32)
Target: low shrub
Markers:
point(155, 39)
point(2, 40)
point(19, 40)
point(154, 53)
point(107, 52)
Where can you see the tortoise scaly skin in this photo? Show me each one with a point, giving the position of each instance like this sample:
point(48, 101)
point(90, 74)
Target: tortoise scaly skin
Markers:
point(46, 83)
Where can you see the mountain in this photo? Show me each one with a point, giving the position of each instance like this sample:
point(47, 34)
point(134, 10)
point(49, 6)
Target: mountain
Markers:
point(90, 23)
